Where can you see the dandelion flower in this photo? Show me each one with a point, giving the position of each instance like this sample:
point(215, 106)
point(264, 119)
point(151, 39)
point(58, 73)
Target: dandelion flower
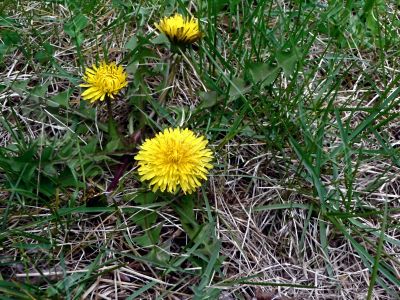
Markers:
point(180, 30)
point(174, 158)
point(103, 80)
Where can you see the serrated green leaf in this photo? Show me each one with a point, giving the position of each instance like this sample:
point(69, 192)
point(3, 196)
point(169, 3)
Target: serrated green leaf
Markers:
point(263, 72)
point(42, 57)
point(145, 219)
point(115, 139)
point(149, 238)
point(73, 27)
point(91, 146)
point(143, 240)
point(68, 177)
point(10, 37)
point(32, 246)
point(20, 87)
point(40, 90)
point(287, 60)
point(61, 99)
point(131, 43)
point(208, 99)
point(160, 39)
point(238, 88)
point(145, 198)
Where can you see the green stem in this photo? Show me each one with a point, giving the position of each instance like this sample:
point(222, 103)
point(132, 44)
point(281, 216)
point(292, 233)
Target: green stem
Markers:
point(109, 109)
point(173, 67)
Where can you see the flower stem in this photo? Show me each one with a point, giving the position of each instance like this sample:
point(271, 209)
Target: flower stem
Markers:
point(109, 109)
point(173, 67)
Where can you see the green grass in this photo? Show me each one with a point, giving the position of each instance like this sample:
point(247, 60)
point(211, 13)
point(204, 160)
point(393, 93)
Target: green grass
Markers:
point(300, 103)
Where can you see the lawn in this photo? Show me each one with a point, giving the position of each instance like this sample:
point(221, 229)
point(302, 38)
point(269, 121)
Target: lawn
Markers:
point(174, 149)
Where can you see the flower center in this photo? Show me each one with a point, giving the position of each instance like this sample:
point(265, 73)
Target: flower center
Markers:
point(175, 156)
point(108, 81)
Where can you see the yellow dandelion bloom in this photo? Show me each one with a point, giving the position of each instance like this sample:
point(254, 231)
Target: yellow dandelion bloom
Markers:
point(174, 158)
point(180, 30)
point(103, 80)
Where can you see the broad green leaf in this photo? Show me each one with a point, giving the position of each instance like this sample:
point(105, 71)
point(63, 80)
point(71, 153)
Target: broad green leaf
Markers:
point(73, 27)
point(115, 140)
point(263, 72)
point(47, 186)
point(113, 145)
point(39, 91)
point(91, 146)
point(68, 177)
point(131, 43)
point(143, 240)
point(185, 210)
point(36, 247)
point(160, 39)
point(10, 37)
point(20, 86)
point(61, 99)
point(157, 254)
point(46, 54)
point(237, 88)
point(218, 5)
point(145, 198)
point(287, 59)
point(208, 99)
point(146, 217)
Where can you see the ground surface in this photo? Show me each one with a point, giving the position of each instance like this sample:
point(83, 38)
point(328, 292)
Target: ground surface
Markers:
point(300, 103)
